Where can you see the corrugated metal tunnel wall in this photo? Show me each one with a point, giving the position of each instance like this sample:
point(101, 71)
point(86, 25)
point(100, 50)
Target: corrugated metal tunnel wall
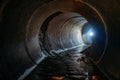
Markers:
point(19, 44)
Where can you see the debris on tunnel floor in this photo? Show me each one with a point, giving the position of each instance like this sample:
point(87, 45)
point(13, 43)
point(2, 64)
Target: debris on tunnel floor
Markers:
point(70, 67)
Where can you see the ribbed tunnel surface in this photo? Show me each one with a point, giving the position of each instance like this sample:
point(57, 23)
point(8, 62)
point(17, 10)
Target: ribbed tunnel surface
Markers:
point(33, 30)
point(64, 33)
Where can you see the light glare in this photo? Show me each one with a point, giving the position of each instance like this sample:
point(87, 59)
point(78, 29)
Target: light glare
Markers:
point(91, 34)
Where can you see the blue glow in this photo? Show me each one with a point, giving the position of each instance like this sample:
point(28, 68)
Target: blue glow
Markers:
point(89, 36)
point(90, 33)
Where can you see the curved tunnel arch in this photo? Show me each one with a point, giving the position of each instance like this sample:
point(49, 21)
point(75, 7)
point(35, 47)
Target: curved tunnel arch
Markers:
point(36, 20)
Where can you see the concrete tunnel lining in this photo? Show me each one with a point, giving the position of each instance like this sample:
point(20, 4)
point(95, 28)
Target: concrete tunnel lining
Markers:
point(60, 35)
point(35, 32)
point(36, 20)
point(51, 11)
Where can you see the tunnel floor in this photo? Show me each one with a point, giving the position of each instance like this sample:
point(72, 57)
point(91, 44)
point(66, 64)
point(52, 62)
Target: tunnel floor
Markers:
point(65, 68)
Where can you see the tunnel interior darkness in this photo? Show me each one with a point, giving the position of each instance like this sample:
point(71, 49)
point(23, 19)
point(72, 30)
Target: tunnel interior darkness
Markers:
point(33, 30)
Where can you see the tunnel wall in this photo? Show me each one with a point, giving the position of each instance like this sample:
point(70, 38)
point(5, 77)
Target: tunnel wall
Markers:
point(15, 58)
point(110, 10)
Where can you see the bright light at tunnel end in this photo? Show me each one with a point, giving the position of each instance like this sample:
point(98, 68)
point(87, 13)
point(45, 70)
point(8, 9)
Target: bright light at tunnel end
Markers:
point(91, 34)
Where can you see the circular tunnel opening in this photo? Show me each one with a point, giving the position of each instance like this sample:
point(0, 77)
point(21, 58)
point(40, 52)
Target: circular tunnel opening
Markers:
point(69, 32)
point(64, 33)
point(69, 29)
point(57, 29)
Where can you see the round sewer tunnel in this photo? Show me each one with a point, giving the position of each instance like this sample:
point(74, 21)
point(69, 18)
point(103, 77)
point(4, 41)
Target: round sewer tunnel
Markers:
point(67, 32)
point(70, 31)
point(64, 33)
point(50, 28)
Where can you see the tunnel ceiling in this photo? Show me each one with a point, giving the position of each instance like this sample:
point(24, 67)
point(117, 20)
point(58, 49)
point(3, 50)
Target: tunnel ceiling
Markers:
point(32, 29)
